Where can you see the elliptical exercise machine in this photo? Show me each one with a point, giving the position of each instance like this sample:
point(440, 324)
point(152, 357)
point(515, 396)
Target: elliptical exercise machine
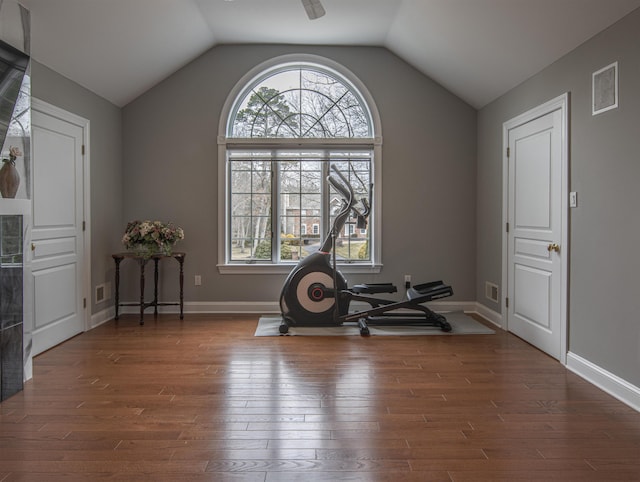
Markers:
point(316, 293)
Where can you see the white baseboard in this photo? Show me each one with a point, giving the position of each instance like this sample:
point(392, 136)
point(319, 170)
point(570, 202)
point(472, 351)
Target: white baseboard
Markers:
point(270, 307)
point(262, 307)
point(601, 378)
point(212, 307)
point(28, 369)
point(222, 307)
point(490, 315)
point(101, 317)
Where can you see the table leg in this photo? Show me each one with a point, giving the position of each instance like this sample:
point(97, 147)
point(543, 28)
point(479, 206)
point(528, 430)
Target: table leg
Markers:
point(181, 261)
point(142, 262)
point(155, 287)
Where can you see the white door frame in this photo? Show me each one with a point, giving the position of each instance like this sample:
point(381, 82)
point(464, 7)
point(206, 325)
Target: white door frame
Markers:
point(559, 103)
point(84, 124)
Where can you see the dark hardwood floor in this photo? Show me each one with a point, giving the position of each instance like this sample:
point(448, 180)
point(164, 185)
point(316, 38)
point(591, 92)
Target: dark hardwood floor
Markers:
point(204, 399)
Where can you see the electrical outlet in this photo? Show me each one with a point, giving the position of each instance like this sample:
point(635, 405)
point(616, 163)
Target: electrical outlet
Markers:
point(198, 280)
point(407, 281)
point(573, 199)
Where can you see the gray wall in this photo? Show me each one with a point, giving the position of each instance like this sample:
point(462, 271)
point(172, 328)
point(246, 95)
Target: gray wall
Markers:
point(106, 166)
point(429, 174)
point(604, 170)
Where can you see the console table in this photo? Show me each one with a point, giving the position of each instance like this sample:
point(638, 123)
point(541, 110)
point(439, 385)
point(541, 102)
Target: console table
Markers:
point(142, 262)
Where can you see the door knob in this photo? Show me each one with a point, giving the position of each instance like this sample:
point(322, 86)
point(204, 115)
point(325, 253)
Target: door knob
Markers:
point(553, 247)
point(33, 247)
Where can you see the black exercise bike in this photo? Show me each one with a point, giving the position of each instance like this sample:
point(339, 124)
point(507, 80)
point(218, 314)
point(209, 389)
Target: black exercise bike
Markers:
point(316, 293)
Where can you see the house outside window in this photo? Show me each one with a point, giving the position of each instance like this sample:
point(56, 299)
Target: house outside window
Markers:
point(287, 123)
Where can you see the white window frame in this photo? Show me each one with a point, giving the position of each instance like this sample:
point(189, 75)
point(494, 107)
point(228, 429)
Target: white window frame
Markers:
point(224, 142)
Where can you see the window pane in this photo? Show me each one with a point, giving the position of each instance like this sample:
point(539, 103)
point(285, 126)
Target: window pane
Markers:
point(301, 103)
point(250, 238)
point(261, 178)
point(301, 207)
point(262, 250)
point(250, 210)
point(241, 181)
point(290, 225)
point(301, 196)
point(352, 243)
point(241, 204)
point(261, 204)
point(311, 237)
point(312, 203)
point(289, 181)
point(240, 241)
point(289, 248)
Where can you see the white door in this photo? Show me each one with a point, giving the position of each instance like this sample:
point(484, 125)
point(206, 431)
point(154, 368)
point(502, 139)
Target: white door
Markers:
point(57, 230)
point(536, 291)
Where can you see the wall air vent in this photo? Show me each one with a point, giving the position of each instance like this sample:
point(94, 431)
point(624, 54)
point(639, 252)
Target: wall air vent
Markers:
point(491, 291)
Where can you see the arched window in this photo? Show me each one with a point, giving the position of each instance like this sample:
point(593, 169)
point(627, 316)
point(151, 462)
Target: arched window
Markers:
point(282, 128)
point(300, 101)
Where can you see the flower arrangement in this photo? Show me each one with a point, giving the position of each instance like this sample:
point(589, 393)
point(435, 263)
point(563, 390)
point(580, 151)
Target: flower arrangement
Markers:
point(151, 237)
point(14, 153)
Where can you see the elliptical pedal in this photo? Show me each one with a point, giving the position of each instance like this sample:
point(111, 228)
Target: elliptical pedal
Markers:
point(364, 328)
point(283, 328)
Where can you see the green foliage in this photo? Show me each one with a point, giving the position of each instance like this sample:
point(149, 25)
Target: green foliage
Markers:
point(267, 115)
point(286, 251)
point(263, 250)
point(363, 252)
point(290, 240)
point(288, 246)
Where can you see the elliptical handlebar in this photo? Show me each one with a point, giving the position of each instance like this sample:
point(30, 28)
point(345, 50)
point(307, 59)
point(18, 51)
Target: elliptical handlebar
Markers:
point(344, 188)
point(347, 194)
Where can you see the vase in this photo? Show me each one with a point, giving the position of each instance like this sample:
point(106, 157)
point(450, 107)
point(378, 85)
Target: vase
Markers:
point(145, 250)
point(9, 180)
point(148, 250)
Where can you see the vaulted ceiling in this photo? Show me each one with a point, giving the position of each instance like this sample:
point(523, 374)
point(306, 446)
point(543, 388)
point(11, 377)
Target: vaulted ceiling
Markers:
point(478, 49)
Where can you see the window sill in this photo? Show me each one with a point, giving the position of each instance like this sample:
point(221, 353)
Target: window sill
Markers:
point(286, 268)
